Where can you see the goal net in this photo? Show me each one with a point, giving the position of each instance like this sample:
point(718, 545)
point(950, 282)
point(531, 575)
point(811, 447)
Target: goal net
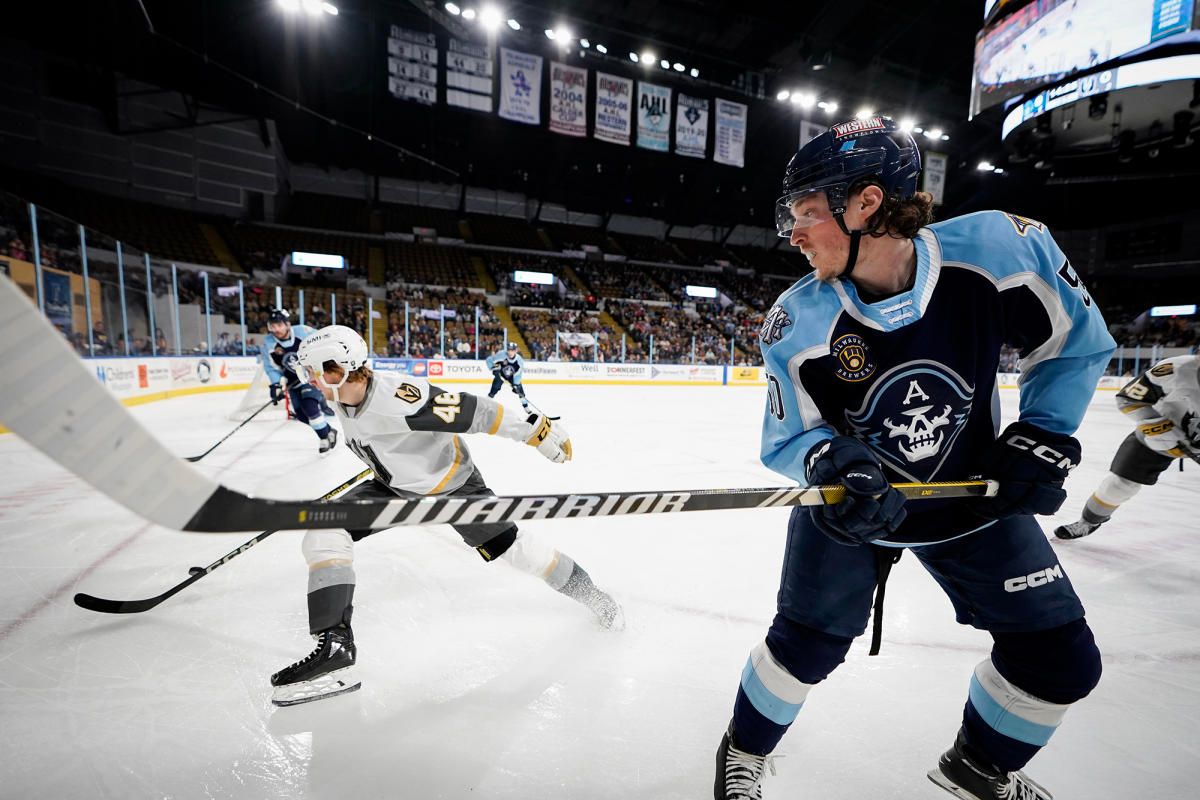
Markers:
point(254, 397)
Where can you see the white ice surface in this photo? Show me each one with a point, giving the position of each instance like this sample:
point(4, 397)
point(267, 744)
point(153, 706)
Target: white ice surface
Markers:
point(480, 682)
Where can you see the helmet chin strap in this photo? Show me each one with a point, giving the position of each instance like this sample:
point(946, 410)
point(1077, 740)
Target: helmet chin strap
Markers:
point(855, 239)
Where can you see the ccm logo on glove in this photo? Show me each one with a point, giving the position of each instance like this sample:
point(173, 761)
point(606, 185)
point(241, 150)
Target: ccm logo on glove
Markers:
point(1044, 452)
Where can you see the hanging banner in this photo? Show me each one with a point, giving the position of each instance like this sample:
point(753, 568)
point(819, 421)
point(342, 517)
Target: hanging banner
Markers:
point(654, 117)
point(412, 65)
point(469, 76)
point(568, 99)
point(934, 180)
point(730, 145)
point(520, 87)
point(810, 130)
point(691, 126)
point(614, 116)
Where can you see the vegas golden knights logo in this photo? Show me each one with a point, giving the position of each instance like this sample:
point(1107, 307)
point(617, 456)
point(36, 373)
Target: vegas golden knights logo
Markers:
point(408, 393)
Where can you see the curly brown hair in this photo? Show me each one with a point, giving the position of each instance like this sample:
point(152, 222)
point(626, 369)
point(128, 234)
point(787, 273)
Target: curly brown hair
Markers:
point(900, 219)
point(360, 375)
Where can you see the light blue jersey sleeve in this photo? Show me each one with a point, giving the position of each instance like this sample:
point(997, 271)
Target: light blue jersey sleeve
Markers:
point(795, 330)
point(268, 345)
point(520, 371)
point(1049, 317)
point(303, 331)
point(491, 360)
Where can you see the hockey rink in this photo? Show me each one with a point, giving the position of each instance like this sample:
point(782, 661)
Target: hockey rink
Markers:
point(479, 682)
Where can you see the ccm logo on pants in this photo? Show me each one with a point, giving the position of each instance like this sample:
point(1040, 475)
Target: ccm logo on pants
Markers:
point(1034, 580)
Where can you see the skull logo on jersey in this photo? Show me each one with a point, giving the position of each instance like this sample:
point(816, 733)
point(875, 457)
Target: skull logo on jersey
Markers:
point(773, 324)
point(912, 415)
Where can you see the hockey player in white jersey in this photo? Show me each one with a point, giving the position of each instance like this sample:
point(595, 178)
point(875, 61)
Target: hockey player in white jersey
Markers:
point(1164, 403)
point(408, 432)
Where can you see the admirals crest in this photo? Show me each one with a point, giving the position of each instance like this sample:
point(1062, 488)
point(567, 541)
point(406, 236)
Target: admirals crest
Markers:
point(912, 415)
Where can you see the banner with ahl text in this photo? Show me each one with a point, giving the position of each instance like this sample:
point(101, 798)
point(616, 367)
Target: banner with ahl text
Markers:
point(691, 126)
point(520, 86)
point(654, 117)
point(568, 99)
point(614, 117)
point(730, 145)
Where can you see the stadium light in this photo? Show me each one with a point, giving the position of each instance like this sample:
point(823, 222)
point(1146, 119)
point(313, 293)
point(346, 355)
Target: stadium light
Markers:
point(805, 100)
point(829, 106)
point(468, 14)
point(908, 125)
point(585, 44)
point(516, 26)
point(934, 133)
point(648, 57)
point(453, 9)
point(311, 6)
point(634, 57)
point(695, 73)
point(678, 67)
point(998, 171)
point(985, 166)
point(330, 9)
point(601, 49)
point(864, 112)
point(664, 64)
point(490, 17)
point(783, 95)
point(550, 33)
point(289, 5)
point(563, 36)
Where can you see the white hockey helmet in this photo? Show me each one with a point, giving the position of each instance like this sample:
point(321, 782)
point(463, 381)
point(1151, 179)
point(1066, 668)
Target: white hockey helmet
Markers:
point(335, 343)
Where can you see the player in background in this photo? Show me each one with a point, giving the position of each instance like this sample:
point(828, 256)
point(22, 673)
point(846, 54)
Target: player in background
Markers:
point(508, 366)
point(279, 361)
point(407, 431)
point(1164, 403)
point(881, 367)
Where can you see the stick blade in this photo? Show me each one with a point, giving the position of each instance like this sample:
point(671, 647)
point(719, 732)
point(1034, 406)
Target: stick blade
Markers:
point(104, 606)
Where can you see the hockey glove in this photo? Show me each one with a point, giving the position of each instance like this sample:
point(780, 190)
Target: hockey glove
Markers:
point(277, 392)
point(1031, 465)
point(550, 438)
point(871, 509)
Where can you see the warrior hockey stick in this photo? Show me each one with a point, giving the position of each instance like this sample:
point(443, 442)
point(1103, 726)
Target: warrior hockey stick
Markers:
point(194, 459)
point(54, 402)
point(105, 606)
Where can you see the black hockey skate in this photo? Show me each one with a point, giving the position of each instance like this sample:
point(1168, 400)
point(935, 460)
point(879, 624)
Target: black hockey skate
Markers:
point(325, 672)
point(1076, 530)
point(329, 442)
point(739, 774)
point(968, 778)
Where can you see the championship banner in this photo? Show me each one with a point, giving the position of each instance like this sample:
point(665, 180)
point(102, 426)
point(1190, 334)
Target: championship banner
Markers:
point(934, 180)
point(691, 126)
point(654, 117)
point(412, 65)
point(568, 99)
point(614, 116)
point(730, 147)
point(520, 86)
point(469, 76)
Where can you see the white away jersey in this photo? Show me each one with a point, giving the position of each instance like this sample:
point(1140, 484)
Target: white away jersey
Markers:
point(407, 430)
point(1167, 394)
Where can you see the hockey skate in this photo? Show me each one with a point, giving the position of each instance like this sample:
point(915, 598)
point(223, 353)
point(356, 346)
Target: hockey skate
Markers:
point(579, 587)
point(329, 442)
point(325, 672)
point(969, 779)
point(739, 774)
point(1076, 530)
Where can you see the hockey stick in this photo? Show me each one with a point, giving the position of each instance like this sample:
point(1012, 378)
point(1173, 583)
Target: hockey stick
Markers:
point(54, 402)
point(105, 606)
point(194, 459)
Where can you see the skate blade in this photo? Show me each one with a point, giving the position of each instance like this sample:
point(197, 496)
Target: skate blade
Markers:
point(950, 786)
point(343, 681)
point(616, 623)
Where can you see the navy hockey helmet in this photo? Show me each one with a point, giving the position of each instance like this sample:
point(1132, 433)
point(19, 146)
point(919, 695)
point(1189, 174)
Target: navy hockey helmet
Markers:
point(279, 315)
point(512, 347)
point(873, 148)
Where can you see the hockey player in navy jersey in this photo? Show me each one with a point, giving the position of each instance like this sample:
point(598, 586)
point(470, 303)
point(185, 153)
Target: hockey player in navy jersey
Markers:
point(279, 361)
point(1164, 401)
point(408, 431)
point(881, 367)
point(508, 366)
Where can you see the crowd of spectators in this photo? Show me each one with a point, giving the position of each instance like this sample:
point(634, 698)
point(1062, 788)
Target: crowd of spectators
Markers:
point(539, 330)
point(425, 305)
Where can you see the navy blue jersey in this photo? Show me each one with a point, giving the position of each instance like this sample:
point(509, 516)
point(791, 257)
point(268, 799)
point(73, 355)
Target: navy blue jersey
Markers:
point(914, 376)
point(279, 357)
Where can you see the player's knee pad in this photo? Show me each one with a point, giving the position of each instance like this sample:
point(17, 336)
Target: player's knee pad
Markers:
point(498, 545)
point(1060, 665)
point(1115, 490)
point(537, 558)
point(806, 653)
point(320, 546)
